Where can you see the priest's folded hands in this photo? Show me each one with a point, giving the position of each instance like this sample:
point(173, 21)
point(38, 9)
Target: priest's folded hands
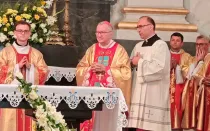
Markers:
point(173, 63)
point(96, 67)
point(24, 61)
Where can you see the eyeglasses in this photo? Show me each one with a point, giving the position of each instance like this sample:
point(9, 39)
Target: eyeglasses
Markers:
point(101, 32)
point(142, 26)
point(23, 31)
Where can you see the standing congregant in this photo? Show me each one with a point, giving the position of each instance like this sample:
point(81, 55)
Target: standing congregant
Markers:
point(150, 87)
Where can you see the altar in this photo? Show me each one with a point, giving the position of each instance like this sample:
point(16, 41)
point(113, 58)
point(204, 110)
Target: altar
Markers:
point(111, 118)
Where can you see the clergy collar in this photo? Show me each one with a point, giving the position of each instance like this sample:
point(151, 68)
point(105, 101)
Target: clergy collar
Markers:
point(149, 37)
point(150, 41)
point(21, 49)
point(19, 44)
point(111, 44)
point(173, 52)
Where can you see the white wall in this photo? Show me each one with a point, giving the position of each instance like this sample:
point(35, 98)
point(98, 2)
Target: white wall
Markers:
point(156, 3)
point(199, 14)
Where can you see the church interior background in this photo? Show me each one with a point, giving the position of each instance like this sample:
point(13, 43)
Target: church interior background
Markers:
point(189, 17)
point(186, 17)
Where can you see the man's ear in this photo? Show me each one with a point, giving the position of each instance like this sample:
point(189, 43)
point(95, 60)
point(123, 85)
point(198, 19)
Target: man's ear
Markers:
point(182, 44)
point(152, 27)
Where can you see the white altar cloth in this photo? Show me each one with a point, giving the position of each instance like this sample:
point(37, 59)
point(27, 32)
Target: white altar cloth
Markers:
point(59, 72)
point(111, 118)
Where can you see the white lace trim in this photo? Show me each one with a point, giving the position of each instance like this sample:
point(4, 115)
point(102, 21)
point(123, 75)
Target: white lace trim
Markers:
point(59, 72)
point(73, 95)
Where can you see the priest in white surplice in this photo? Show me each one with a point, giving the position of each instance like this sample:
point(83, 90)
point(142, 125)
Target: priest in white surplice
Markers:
point(151, 77)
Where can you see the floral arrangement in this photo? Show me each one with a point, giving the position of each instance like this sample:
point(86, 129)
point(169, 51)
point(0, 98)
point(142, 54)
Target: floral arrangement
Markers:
point(47, 117)
point(34, 14)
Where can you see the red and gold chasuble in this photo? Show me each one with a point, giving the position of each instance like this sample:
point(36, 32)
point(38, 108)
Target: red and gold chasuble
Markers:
point(15, 119)
point(175, 96)
point(189, 104)
point(24, 122)
point(103, 56)
point(19, 58)
point(204, 106)
point(207, 103)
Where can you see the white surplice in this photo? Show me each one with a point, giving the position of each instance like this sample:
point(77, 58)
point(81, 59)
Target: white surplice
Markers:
point(150, 103)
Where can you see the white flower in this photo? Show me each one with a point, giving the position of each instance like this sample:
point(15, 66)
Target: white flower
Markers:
point(41, 116)
point(3, 37)
point(22, 91)
point(7, 44)
point(48, 4)
point(11, 33)
point(45, 30)
point(47, 128)
point(33, 95)
point(29, 21)
point(58, 118)
point(19, 75)
point(49, 107)
point(47, 103)
point(25, 9)
point(40, 111)
point(42, 121)
point(51, 20)
point(33, 26)
point(34, 36)
point(42, 25)
point(56, 129)
point(40, 40)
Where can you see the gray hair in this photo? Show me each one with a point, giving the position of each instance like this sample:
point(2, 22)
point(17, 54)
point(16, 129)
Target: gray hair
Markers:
point(203, 37)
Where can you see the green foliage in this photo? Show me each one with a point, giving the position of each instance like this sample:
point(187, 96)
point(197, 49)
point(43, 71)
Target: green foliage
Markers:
point(32, 12)
point(42, 107)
